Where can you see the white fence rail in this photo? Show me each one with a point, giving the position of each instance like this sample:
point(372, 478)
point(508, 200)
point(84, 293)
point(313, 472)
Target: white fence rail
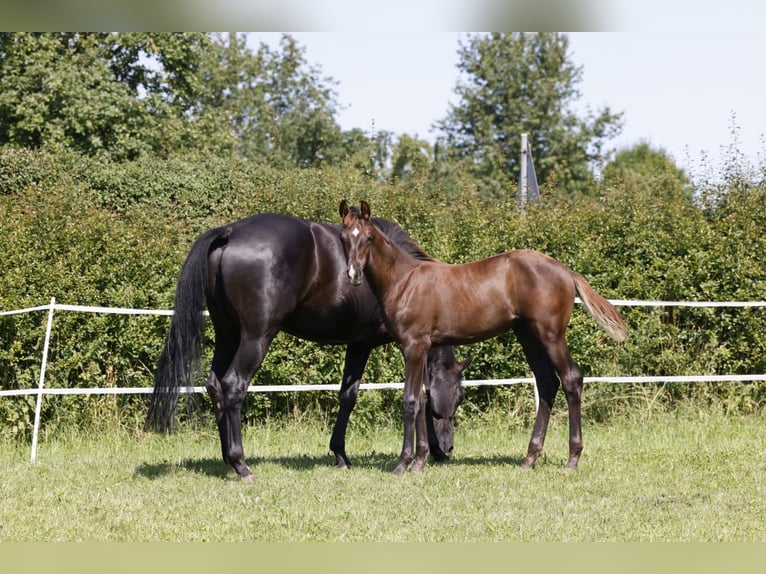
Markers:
point(53, 306)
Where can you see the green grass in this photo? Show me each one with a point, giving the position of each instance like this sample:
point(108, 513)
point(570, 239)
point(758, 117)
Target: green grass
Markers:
point(691, 478)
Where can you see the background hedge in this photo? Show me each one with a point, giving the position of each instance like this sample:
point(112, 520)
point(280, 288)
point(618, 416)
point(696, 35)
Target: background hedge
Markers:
point(90, 231)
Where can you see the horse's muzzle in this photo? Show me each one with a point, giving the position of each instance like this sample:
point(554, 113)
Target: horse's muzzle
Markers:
point(354, 277)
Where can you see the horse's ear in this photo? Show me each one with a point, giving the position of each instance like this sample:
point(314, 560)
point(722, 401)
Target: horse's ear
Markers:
point(343, 209)
point(365, 209)
point(465, 364)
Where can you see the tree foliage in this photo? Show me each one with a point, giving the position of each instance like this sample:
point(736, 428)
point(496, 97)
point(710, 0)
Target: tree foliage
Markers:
point(276, 105)
point(76, 91)
point(137, 94)
point(643, 165)
point(516, 83)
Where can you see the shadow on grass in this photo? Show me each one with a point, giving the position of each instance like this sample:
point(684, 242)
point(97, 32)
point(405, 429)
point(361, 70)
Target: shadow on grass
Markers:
point(383, 462)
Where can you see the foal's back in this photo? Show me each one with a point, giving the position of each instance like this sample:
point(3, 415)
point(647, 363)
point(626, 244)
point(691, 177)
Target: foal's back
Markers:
point(470, 302)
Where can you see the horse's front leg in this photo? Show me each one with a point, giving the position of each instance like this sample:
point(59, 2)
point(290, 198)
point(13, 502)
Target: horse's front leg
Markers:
point(421, 434)
point(413, 411)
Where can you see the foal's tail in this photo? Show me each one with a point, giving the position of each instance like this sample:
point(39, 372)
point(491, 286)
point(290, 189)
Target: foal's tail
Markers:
point(183, 346)
point(602, 310)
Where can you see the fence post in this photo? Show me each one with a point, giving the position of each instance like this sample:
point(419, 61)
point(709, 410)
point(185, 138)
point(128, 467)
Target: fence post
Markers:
point(524, 177)
point(41, 384)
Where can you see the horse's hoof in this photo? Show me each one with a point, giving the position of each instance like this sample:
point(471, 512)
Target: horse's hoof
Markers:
point(247, 478)
point(342, 461)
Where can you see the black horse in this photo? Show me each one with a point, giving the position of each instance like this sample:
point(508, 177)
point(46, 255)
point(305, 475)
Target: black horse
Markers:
point(269, 273)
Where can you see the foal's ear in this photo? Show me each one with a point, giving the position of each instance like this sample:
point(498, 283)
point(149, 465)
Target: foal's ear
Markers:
point(465, 364)
point(343, 209)
point(365, 209)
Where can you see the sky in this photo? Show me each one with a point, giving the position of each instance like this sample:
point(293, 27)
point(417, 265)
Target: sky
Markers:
point(681, 90)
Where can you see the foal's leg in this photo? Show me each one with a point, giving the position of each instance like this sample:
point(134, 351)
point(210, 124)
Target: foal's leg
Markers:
point(572, 382)
point(547, 382)
point(421, 435)
point(415, 445)
point(233, 388)
point(356, 359)
point(548, 354)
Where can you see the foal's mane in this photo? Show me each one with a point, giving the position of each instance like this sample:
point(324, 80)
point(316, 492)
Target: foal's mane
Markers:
point(400, 237)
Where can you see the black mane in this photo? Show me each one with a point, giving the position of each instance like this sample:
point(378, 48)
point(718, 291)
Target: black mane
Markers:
point(400, 237)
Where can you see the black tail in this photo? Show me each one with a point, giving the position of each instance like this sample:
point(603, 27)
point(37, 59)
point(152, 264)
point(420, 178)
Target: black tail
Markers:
point(180, 357)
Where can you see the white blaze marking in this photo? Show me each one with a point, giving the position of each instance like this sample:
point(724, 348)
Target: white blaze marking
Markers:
point(355, 232)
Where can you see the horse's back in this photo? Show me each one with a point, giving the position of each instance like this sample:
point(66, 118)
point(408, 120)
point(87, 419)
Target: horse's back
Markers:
point(481, 299)
point(520, 275)
point(265, 256)
point(284, 273)
point(530, 279)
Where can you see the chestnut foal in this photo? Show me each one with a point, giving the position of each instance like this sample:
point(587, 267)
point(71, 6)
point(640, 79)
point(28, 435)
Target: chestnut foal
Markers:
point(428, 304)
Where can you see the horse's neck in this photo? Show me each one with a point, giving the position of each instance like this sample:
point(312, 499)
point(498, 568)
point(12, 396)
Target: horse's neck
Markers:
point(387, 265)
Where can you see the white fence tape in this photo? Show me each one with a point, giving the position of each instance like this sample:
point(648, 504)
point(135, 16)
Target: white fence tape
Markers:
point(53, 306)
point(336, 387)
point(640, 303)
point(615, 302)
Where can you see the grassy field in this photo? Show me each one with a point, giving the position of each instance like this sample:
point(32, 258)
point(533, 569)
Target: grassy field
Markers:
point(687, 478)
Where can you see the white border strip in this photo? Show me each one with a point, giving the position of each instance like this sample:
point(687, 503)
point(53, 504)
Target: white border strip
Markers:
point(27, 310)
point(114, 310)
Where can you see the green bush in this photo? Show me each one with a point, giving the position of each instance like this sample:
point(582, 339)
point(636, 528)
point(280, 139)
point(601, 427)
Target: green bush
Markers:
point(93, 232)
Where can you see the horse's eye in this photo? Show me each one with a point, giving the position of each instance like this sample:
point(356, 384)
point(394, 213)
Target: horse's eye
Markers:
point(369, 239)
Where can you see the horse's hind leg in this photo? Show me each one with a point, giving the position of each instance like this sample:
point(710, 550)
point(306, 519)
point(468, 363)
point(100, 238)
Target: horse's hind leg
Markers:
point(222, 358)
point(356, 360)
point(572, 382)
point(547, 382)
point(233, 387)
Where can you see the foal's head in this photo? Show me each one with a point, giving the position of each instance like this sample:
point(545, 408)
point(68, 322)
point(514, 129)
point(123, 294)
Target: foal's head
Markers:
point(356, 235)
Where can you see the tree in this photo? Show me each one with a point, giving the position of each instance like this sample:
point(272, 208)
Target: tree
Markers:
point(99, 93)
point(641, 166)
point(411, 159)
point(277, 105)
point(127, 95)
point(516, 83)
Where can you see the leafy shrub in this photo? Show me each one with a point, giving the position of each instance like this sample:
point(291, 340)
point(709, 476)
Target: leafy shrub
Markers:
point(92, 232)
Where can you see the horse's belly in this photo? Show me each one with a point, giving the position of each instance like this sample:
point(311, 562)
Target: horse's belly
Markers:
point(470, 318)
point(331, 328)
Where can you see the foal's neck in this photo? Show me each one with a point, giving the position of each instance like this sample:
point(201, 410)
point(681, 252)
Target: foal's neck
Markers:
point(387, 264)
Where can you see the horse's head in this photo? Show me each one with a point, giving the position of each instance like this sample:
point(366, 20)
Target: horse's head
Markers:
point(445, 393)
point(356, 235)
